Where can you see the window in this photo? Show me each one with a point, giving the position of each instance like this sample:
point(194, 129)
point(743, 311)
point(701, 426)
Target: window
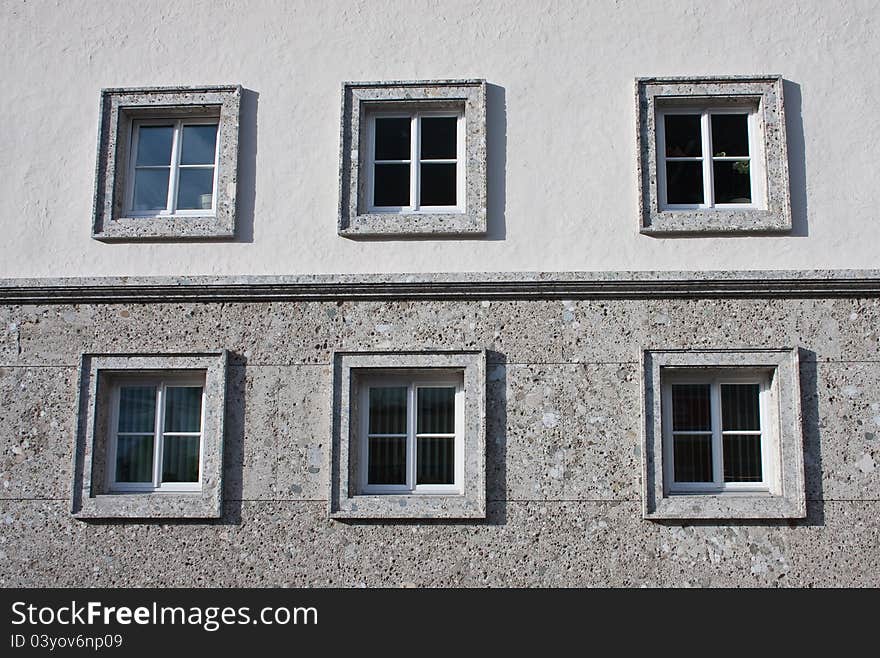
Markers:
point(167, 164)
point(713, 427)
point(722, 434)
point(706, 158)
point(156, 434)
point(413, 158)
point(411, 438)
point(415, 162)
point(409, 435)
point(713, 155)
point(173, 169)
point(150, 436)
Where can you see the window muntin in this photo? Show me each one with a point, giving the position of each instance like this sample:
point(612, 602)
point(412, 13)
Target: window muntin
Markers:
point(156, 434)
point(173, 167)
point(412, 434)
point(715, 426)
point(415, 162)
point(708, 157)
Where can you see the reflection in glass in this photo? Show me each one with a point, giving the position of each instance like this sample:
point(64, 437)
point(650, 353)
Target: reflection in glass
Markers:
point(154, 145)
point(195, 187)
point(198, 145)
point(151, 189)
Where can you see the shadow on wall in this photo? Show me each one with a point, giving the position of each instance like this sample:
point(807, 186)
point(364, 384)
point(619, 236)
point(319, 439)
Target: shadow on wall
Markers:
point(797, 172)
point(496, 162)
point(247, 166)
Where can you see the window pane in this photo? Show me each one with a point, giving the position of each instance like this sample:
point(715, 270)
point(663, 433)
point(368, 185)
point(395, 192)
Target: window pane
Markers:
point(732, 182)
point(387, 460)
point(198, 144)
point(134, 458)
point(393, 139)
point(183, 409)
point(151, 189)
point(690, 408)
point(180, 459)
point(742, 458)
point(391, 185)
point(137, 409)
point(435, 461)
point(195, 189)
point(683, 135)
point(154, 145)
point(388, 410)
point(730, 134)
point(692, 458)
point(439, 138)
point(436, 410)
point(739, 407)
point(684, 182)
point(438, 185)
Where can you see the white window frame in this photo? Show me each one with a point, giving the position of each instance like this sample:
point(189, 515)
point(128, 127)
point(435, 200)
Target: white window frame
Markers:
point(766, 406)
point(161, 382)
point(174, 167)
point(415, 161)
point(412, 382)
point(755, 158)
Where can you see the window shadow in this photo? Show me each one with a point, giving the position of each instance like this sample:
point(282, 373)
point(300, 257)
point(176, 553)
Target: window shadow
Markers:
point(247, 166)
point(797, 172)
point(496, 162)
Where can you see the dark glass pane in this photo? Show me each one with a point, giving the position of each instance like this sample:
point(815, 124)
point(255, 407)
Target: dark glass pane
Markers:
point(683, 135)
point(742, 458)
point(195, 189)
point(134, 458)
point(690, 408)
point(438, 185)
point(439, 138)
point(692, 455)
point(435, 461)
point(393, 139)
point(732, 182)
point(684, 182)
point(436, 410)
point(391, 185)
point(180, 459)
point(387, 460)
point(183, 409)
point(730, 135)
point(154, 145)
point(199, 144)
point(388, 410)
point(137, 409)
point(739, 407)
point(151, 189)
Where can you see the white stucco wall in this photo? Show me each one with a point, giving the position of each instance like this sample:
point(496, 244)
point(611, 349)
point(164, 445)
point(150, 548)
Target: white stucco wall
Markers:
point(565, 72)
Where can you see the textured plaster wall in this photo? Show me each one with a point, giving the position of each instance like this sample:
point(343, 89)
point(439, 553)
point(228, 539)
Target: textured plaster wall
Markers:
point(563, 467)
point(563, 192)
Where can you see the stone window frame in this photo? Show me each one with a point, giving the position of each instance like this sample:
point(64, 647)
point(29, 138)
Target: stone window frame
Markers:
point(346, 500)
point(787, 497)
point(763, 91)
point(92, 498)
point(360, 98)
point(120, 108)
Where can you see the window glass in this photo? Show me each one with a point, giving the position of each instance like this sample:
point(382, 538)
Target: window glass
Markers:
point(199, 144)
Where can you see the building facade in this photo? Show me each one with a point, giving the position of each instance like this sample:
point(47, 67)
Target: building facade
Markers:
point(456, 294)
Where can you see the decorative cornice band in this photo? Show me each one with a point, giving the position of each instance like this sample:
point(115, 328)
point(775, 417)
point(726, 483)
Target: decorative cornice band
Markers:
point(466, 286)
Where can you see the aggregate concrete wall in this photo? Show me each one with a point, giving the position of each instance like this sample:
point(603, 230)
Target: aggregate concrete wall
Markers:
point(563, 463)
point(562, 179)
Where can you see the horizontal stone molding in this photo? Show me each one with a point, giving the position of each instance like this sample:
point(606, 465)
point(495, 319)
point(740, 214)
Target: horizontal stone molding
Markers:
point(511, 285)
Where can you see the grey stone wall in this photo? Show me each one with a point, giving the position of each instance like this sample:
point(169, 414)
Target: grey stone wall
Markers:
point(563, 463)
